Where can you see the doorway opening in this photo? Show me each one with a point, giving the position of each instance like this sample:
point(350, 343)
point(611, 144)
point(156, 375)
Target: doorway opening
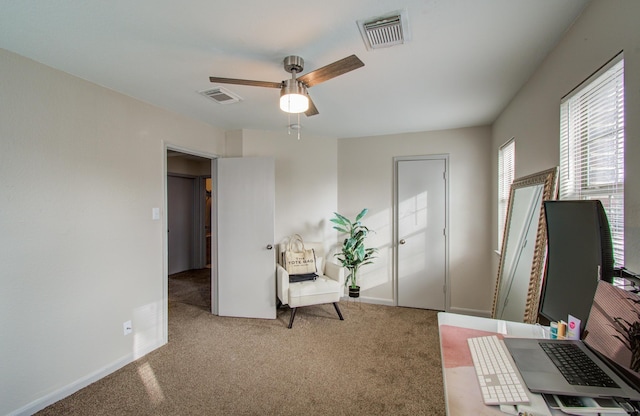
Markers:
point(189, 231)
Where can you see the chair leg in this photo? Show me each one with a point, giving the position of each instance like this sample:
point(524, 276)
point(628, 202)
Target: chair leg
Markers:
point(335, 305)
point(293, 315)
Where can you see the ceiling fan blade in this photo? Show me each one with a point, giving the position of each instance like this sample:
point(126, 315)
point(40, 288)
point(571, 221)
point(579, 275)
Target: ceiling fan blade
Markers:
point(312, 111)
point(325, 73)
point(251, 83)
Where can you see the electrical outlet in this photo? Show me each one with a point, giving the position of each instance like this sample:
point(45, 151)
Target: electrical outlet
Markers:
point(127, 327)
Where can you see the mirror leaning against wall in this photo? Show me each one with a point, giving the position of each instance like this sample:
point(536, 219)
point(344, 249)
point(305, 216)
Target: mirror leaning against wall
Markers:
point(523, 255)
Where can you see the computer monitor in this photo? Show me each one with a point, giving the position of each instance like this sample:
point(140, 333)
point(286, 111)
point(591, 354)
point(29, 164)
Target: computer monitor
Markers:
point(579, 254)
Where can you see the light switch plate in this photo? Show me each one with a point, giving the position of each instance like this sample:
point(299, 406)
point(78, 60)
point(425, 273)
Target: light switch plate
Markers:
point(155, 213)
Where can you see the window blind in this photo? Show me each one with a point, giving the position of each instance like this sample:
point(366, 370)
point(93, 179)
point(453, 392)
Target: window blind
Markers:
point(506, 168)
point(592, 146)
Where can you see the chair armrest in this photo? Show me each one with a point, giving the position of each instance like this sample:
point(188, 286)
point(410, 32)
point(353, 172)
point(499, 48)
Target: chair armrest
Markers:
point(335, 272)
point(282, 284)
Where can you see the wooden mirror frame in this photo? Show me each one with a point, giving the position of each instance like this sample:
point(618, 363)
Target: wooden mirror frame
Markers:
point(548, 179)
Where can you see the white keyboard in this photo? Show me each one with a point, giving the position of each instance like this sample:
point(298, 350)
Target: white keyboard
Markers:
point(500, 382)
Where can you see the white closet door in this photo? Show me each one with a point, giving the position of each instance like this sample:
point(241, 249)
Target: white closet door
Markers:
point(421, 224)
point(245, 278)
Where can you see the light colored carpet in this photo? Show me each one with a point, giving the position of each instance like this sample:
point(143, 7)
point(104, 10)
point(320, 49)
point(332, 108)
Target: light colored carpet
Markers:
point(379, 361)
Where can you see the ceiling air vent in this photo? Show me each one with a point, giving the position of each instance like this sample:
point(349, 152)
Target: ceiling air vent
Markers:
point(221, 95)
point(385, 31)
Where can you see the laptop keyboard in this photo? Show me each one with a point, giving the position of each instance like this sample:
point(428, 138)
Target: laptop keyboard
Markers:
point(576, 367)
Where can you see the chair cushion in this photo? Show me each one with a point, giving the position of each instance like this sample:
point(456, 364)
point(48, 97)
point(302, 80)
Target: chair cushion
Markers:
point(321, 290)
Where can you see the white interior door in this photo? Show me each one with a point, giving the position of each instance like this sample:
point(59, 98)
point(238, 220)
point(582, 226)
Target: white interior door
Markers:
point(245, 283)
point(421, 232)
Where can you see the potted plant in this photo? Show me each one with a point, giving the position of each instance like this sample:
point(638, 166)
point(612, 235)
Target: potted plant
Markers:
point(353, 254)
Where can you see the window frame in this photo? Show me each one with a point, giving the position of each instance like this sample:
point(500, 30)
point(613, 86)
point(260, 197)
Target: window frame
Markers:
point(506, 175)
point(592, 136)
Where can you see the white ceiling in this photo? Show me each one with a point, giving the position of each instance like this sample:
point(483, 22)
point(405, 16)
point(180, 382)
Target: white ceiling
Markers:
point(465, 61)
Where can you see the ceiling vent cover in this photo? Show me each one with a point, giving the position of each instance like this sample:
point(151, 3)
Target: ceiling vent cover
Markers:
point(221, 95)
point(385, 31)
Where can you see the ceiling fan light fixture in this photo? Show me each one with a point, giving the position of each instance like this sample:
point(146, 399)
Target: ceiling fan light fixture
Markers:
point(294, 103)
point(294, 97)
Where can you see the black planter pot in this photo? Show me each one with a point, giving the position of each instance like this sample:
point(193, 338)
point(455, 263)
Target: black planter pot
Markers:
point(354, 292)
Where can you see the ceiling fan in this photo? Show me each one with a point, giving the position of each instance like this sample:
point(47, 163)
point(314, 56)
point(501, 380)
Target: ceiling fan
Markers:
point(294, 97)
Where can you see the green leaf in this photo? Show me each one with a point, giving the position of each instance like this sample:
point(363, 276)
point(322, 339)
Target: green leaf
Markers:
point(362, 214)
point(337, 221)
point(342, 230)
point(342, 220)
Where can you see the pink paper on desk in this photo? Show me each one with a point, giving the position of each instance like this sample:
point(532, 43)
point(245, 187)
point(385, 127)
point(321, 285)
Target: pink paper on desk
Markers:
point(455, 349)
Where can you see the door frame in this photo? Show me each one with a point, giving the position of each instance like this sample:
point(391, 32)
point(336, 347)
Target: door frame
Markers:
point(167, 146)
point(395, 208)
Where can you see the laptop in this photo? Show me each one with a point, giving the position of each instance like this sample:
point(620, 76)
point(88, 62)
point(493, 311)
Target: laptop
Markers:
point(613, 312)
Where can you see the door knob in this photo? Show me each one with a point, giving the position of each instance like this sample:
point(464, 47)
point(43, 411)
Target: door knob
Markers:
point(269, 247)
point(402, 241)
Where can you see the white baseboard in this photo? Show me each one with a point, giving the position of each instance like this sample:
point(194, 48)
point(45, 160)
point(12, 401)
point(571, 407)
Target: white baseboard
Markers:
point(49, 399)
point(472, 312)
point(390, 302)
point(368, 299)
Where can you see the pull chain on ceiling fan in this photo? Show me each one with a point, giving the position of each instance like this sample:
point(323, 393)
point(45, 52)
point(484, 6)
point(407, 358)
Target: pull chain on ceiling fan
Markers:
point(294, 97)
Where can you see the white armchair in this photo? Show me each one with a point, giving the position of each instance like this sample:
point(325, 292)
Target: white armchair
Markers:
point(327, 288)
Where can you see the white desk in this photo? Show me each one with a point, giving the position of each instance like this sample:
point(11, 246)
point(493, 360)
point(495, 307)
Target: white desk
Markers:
point(462, 393)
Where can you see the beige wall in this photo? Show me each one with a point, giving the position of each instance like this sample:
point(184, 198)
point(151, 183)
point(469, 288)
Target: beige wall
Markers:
point(365, 180)
point(81, 168)
point(306, 182)
point(605, 28)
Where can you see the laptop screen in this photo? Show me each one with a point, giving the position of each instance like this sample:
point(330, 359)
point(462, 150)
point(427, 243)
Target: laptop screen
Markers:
point(613, 328)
